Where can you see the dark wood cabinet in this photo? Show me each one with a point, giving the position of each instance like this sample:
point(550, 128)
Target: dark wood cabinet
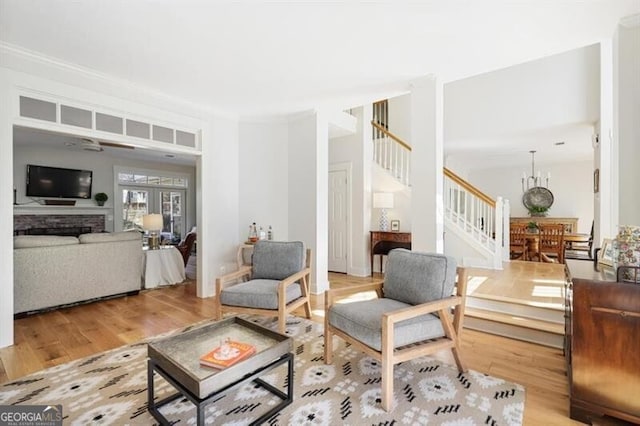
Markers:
point(382, 242)
point(602, 344)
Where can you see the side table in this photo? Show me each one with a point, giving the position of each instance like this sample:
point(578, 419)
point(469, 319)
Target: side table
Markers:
point(164, 266)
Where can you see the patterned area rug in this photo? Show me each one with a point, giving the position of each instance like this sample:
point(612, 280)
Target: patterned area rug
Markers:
point(111, 388)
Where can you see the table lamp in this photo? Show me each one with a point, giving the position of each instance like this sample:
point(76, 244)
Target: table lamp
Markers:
point(153, 224)
point(384, 201)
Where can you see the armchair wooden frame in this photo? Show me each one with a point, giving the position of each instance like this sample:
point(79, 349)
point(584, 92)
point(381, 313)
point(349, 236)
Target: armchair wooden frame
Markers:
point(283, 310)
point(388, 355)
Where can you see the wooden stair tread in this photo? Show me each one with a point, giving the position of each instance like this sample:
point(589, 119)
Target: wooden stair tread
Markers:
point(549, 327)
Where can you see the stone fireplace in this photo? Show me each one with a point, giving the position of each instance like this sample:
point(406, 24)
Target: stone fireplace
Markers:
point(31, 224)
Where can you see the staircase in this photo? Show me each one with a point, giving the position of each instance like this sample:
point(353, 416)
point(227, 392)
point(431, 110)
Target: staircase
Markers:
point(470, 215)
point(481, 225)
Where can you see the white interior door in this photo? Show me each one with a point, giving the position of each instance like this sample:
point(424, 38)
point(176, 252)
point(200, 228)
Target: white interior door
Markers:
point(338, 221)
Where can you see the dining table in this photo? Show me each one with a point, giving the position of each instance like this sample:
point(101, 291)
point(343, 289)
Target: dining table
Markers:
point(569, 239)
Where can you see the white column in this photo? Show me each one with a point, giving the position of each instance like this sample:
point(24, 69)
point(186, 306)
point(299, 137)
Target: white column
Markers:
point(627, 126)
point(7, 110)
point(427, 223)
point(604, 211)
point(217, 206)
point(308, 191)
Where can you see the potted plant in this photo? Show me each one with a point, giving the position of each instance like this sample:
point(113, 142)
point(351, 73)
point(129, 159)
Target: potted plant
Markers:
point(532, 226)
point(101, 198)
point(538, 211)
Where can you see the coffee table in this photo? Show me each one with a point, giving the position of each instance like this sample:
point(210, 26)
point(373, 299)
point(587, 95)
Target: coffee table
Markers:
point(177, 359)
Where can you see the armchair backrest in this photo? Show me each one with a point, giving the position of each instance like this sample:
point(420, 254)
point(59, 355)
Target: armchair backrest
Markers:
point(185, 246)
point(277, 260)
point(415, 278)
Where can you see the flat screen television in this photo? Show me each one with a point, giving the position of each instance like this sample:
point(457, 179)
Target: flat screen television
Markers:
point(56, 182)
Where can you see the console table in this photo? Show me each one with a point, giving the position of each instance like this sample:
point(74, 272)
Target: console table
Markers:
point(602, 348)
point(383, 242)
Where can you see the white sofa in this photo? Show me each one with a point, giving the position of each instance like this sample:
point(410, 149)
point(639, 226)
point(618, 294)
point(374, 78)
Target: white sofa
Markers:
point(51, 271)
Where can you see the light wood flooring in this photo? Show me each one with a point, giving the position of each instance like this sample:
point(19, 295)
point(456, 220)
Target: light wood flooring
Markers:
point(63, 335)
point(528, 283)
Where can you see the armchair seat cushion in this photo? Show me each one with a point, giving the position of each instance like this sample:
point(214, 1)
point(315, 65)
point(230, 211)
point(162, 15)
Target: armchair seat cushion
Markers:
point(363, 321)
point(260, 294)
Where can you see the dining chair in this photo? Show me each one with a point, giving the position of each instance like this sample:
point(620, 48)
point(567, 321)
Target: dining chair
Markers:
point(277, 283)
point(411, 317)
point(551, 242)
point(581, 250)
point(518, 247)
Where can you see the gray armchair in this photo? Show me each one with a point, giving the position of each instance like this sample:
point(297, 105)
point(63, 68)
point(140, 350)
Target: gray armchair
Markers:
point(277, 283)
point(411, 318)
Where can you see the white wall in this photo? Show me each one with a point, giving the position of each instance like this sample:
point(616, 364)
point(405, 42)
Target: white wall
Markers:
point(628, 123)
point(264, 195)
point(548, 92)
point(352, 151)
point(400, 117)
point(384, 182)
point(101, 164)
point(571, 185)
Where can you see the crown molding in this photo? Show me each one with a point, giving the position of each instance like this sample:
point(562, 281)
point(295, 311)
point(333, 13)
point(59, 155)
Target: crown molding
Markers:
point(21, 54)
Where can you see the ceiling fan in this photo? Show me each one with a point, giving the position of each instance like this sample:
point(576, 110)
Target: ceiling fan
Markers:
point(97, 146)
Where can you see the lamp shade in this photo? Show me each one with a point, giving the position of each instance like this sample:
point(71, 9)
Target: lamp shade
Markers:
point(152, 222)
point(383, 200)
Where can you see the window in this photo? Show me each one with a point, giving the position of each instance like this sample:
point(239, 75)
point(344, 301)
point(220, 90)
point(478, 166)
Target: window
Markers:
point(144, 192)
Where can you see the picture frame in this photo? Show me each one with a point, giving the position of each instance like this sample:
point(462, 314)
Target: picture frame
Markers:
point(395, 225)
point(606, 255)
point(596, 181)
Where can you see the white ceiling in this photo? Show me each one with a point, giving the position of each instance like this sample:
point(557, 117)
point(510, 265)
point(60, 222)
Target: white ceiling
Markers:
point(255, 58)
point(267, 57)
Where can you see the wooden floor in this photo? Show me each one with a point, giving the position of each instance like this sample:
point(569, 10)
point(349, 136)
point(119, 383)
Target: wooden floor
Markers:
point(60, 336)
point(528, 283)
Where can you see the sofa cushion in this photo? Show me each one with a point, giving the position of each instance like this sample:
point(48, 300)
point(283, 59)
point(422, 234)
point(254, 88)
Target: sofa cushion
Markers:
point(109, 237)
point(29, 241)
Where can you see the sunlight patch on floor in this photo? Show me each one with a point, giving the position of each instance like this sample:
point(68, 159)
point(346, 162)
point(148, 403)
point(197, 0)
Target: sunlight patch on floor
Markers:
point(543, 281)
point(318, 312)
point(546, 291)
point(358, 297)
point(474, 282)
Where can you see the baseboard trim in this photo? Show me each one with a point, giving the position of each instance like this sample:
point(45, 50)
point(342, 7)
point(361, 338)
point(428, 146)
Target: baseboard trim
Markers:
point(70, 305)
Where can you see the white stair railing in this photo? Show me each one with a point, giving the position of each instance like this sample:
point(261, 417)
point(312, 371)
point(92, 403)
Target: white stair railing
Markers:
point(481, 218)
point(478, 215)
point(391, 153)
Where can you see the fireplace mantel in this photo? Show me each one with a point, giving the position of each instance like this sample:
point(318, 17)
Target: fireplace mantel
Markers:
point(58, 210)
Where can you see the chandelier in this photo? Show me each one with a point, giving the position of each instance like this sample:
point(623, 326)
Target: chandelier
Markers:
point(534, 180)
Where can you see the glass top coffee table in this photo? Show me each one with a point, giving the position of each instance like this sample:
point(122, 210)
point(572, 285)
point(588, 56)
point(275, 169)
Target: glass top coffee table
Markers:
point(177, 359)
